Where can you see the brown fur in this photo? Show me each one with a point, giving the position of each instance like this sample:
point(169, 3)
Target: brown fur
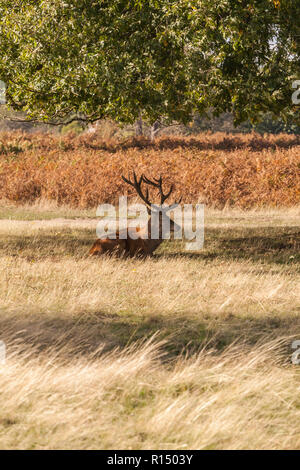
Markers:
point(129, 247)
point(142, 245)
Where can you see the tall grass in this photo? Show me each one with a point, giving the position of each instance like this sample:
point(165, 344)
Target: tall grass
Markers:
point(241, 399)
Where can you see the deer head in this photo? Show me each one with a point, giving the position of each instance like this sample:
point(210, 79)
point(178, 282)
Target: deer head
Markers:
point(159, 220)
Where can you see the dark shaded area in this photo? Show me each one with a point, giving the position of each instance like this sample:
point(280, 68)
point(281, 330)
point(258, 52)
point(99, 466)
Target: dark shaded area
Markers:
point(279, 245)
point(48, 244)
point(279, 248)
point(100, 333)
point(273, 245)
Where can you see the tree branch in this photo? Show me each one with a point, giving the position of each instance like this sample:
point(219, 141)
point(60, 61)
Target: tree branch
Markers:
point(58, 123)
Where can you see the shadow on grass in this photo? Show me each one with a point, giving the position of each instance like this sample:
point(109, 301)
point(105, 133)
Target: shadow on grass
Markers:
point(269, 245)
point(71, 337)
point(277, 247)
point(74, 243)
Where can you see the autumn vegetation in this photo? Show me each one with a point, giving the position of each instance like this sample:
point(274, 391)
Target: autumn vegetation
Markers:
point(220, 170)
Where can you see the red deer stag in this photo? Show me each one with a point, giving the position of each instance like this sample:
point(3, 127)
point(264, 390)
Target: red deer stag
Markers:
point(159, 223)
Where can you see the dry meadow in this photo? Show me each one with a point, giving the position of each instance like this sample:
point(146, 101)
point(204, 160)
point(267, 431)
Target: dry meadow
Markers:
point(186, 350)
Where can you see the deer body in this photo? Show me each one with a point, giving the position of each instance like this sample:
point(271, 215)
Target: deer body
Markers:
point(128, 247)
point(137, 241)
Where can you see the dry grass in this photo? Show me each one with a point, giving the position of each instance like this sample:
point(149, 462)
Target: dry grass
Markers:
point(240, 399)
point(155, 287)
point(221, 170)
point(185, 350)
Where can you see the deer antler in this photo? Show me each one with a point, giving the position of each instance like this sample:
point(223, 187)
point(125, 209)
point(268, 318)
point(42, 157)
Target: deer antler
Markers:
point(136, 183)
point(157, 183)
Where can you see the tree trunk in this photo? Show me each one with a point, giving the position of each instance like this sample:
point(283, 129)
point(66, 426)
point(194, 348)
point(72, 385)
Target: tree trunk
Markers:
point(154, 130)
point(139, 126)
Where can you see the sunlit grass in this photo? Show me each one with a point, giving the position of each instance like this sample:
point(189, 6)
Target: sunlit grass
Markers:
point(63, 314)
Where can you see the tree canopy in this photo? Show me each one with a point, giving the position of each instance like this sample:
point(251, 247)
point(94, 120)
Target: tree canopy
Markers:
point(119, 58)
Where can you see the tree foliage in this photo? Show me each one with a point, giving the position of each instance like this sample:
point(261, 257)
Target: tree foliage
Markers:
point(119, 58)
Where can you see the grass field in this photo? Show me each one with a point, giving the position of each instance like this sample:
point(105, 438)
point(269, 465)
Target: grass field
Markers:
point(185, 350)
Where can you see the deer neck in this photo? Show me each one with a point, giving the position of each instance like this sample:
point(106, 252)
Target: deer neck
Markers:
point(153, 243)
